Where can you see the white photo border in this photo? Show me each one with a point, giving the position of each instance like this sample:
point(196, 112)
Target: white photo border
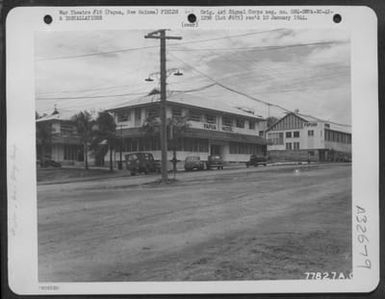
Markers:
point(21, 25)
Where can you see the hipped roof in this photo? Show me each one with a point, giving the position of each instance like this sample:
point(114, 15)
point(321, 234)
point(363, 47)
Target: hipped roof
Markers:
point(187, 99)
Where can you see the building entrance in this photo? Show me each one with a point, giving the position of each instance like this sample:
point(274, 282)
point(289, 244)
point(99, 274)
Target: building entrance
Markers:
point(215, 149)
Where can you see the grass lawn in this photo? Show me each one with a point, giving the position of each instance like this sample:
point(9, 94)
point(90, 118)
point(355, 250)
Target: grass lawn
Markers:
point(61, 173)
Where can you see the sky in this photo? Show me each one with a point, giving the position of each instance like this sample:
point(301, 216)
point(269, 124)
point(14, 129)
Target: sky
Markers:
point(308, 70)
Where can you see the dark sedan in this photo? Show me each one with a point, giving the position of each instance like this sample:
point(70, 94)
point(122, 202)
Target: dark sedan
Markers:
point(215, 161)
point(256, 160)
point(193, 162)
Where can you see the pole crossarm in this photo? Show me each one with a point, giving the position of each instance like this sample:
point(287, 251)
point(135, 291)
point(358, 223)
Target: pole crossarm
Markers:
point(157, 35)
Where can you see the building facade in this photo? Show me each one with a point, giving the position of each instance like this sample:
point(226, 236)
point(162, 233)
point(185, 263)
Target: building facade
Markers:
point(297, 137)
point(208, 128)
point(57, 139)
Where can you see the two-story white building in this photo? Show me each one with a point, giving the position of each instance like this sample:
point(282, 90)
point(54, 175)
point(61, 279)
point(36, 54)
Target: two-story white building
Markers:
point(297, 137)
point(57, 133)
point(212, 128)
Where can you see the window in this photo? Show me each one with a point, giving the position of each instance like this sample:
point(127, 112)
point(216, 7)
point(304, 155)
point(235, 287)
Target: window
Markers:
point(123, 116)
point(147, 145)
point(176, 112)
point(195, 145)
point(153, 113)
point(66, 129)
point(310, 133)
point(138, 114)
point(275, 138)
point(227, 121)
point(194, 115)
point(288, 146)
point(261, 133)
point(288, 134)
point(335, 136)
point(134, 145)
point(211, 119)
point(296, 145)
point(240, 123)
point(252, 125)
point(73, 152)
point(245, 148)
point(296, 134)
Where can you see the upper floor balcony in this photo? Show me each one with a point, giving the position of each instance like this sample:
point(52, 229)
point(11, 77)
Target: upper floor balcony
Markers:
point(195, 118)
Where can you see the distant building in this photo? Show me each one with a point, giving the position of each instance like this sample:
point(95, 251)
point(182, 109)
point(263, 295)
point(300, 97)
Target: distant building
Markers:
point(213, 128)
point(297, 137)
point(59, 138)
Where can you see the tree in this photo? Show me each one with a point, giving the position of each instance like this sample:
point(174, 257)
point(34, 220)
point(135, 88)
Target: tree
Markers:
point(271, 120)
point(43, 139)
point(175, 128)
point(105, 129)
point(84, 123)
point(177, 125)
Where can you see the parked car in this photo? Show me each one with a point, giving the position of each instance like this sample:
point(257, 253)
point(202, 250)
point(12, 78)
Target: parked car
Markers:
point(141, 163)
point(193, 162)
point(256, 160)
point(215, 161)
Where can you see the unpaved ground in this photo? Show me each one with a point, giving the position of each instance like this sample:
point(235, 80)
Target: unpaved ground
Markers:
point(257, 223)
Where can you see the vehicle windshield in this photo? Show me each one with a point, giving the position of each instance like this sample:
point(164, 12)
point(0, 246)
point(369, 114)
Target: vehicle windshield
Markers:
point(215, 157)
point(131, 157)
point(192, 159)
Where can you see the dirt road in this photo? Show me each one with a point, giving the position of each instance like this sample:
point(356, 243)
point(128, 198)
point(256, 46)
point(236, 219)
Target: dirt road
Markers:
point(256, 223)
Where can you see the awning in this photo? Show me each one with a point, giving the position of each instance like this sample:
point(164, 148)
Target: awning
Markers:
point(223, 136)
point(199, 133)
point(66, 140)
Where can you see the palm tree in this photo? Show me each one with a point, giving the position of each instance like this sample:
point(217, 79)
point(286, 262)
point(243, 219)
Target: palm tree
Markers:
point(84, 123)
point(175, 126)
point(105, 130)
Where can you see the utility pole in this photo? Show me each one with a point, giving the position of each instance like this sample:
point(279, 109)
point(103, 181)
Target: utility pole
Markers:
point(161, 34)
point(121, 148)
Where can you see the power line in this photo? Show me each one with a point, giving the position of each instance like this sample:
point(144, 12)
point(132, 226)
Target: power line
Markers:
point(85, 90)
point(226, 37)
point(195, 89)
point(89, 97)
point(149, 47)
point(249, 96)
point(95, 53)
point(118, 95)
point(265, 47)
point(224, 86)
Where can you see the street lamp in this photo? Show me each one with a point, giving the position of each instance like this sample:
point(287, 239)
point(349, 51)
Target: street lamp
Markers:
point(161, 35)
point(175, 72)
point(169, 72)
point(178, 73)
